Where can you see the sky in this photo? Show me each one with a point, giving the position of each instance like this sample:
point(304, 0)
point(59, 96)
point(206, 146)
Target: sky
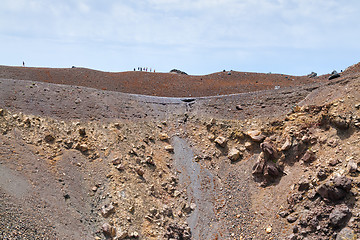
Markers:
point(199, 37)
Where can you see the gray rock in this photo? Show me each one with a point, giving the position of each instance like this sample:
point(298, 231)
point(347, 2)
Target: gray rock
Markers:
point(340, 122)
point(352, 166)
point(287, 145)
point(312, 75)
point(309, 156)
point(107, 210)
point(346, 234)
point(330, 192)
point(239, 107)
point(333, 76)
point(304, 185)
point(342, 182)
point(108, 230)
point(338, 215)
point(292, 218)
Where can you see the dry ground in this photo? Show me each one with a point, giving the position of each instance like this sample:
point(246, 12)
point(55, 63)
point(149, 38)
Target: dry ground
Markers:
point(70, 149)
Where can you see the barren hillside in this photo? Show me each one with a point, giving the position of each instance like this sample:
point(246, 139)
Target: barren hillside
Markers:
point(81, 158)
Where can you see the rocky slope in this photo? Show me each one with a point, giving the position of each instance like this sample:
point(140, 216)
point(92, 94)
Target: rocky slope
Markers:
point(85, 163)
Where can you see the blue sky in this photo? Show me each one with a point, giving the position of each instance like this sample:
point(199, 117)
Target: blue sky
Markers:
point(198, 37)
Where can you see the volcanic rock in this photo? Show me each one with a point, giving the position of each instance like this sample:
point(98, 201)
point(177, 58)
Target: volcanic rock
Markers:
point(256, 135)
point(234, 154)
point(339, 215)
point(221, 141)
point(108, 230)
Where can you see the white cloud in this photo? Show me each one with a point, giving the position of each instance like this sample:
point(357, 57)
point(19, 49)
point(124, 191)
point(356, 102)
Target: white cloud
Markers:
point(205, 27)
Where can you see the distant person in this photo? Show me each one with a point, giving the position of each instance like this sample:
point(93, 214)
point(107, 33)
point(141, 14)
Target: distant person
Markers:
point(154, 70)
point(134, 69)
point(23, 64)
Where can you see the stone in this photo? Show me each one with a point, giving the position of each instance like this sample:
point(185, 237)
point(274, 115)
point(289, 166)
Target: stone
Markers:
point(169, 148)
point(49, 138)
point(248, 145)
point(340, 122)
point(211, 137)
point(163, 137)
point(352, 166)
point(346, 234)
point(149, 160)
point(333, 162)
point(153, 210)
point(336, 189)
point(338, 215)
point(177, 231)
point(312, 75)
point(107, 210)
point(140, 171)
point(1, 112)
point(234, 154)
point(268, 230)
point(333, 76)
point(292, 218)
point(308, 157)
point(212, 121)
point(134, 234)
point(221, 141)
point(312, 194)
point(82, 147)
point(284, 214)
point(258, 168)
point(321, 174)
point(116, 161)
point(256, 135)
point(239, 107)
point(82, 132)
point(268, 149)
point(304, 185)
point(167, 211)
point(287, 145)
point(330, 192)
point(271, 170)
point(342, 182)
point(122, 234)
point(108, 230)
point(186, 208)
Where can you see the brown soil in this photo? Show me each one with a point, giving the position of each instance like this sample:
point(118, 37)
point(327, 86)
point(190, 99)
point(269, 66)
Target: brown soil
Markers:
point(69, 149)
point(160, 84)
